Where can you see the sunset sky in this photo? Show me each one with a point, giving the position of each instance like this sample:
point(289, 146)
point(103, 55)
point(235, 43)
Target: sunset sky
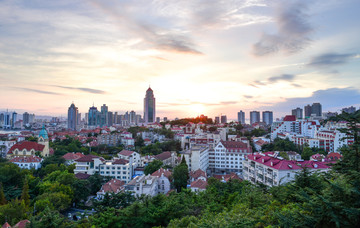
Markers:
point(199, 56)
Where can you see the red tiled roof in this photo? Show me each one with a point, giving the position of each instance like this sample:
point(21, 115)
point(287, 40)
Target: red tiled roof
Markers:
point(82, 176)
point(112, 186)
point(28, 145)
point(25, 159)
point(290, 118)
point(126, 152)
point(21, 224)
point(197, 173)
point(334, 156)
point(6, 225)
point(163, 156)
point(87, 158)
point(73, 156)
point(120, 162)
point(158, 173)
point(199, 184)
point(234, 144)
point(227, 177)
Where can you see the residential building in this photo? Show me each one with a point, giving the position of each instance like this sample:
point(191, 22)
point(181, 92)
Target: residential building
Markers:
point(26, 116)
point(198, 186)
point(89, 164)
point(197, 157)
point(316, 109)
point(298, 112)
point(217, 119)
point(223, 119)
point(228, 156)
point(267, 117)
point(271, 170)
point(109, 139)
point(27, 162)
point(113, 186)
point(197, 174)
point(133, 157)
point(254, 117)
point(164, 177)
point(241, 117)
point(120, 169)
point(149, 106)
point(307, 111)
point(227, 177)
point(70, 158)
point(143, 185)
point(168, 158)
point(72, 117)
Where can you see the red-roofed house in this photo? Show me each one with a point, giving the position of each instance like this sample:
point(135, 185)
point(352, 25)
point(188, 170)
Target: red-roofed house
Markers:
point(197, 174)
point(269, 170)
point(71, 157)
point(26, 148)
point(168, 158)
point(334, 156)
point(163, 181)
point(198, 186)
point(112, 186)
point(27, 162)
point(227, 177)
point(132, 156)
point(21, 224)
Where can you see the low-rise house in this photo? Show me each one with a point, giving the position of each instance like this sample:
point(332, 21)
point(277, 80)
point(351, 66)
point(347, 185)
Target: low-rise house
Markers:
point(112, 186)
point(133, 157)
point(334, 156)
point(143, 185)
point(198, 186)
point(197, 174)
point(82, 176)
point(27, 162)
point(271, 170)
point(89, 164)
point(168, 158)
point(164, 180)
point(71, 157)
point(225, 178)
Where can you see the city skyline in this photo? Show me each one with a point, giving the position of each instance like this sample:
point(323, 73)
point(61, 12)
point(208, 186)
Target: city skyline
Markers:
point(209, 59)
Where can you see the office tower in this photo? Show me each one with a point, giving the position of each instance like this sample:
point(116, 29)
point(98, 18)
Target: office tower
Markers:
point(241, 117)
point(26, 118)
point(31, 118)
point(217, 119)
point(157, 119)
point(254, 117)
point(13, 119)
point(72, 117)
point(79, 119)
point(316, 109)
point(86, 118)
point(267, 117)
point(116, 118)
point(103, 117)
point(307, 110)
point(110, 119)
point(298, 112)
point(132, 117)
point(92, 115)
point(165, 119)
point(223, 119)
point(138, 118)
point(149, 106)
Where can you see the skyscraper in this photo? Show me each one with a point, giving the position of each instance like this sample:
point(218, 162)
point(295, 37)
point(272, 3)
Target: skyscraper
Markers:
point(298, 112)
point(92, 116)
point(149, 106)
point(25, 118)
point(72, 117)
point(307, 110)
point(254, 117)
point(267, 117)
point(241, 117)
point(316, 109)
point(104, 116)
point(223, 119)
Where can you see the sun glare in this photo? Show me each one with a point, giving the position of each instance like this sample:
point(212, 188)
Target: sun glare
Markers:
point(197, 109)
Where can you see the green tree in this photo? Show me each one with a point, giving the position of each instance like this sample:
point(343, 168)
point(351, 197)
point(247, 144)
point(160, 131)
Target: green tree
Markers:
point(153, 166)
point(2, 195)
point(307, 153)
point(139, 141)
point(25, 193)
point(181, 176)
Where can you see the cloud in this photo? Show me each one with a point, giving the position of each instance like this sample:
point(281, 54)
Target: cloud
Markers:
point(293, 30)
point(331, 59)
point(221, 103)
point(248, 96)
point(330, 99)
point(88, 90)
point(35, 91)
point(275, 79)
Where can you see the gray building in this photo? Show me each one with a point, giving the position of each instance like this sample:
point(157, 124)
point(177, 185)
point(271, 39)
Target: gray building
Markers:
point(316, 109)
point(149, 106)
point(307, 111)
point(267, 117)
point(254, 117)
point(223, 119)
point(72, 117)
point(241, 117)
point(298, 112)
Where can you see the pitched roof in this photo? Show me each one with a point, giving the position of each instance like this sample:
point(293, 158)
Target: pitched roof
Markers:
point(199, 184)
point(120, 162)
point(28, 145)
point(126, 152)
point(227, 177)
point(6, 225)
point(290, 118)
point(87, 158)
point(234, 144)
point(82, 176)
point(163, 156)
point(26, 159)
point(161, 171)
point(334, 156)
point(73, 156)
point(112, 186)
point(21, 224)
point(197, 173)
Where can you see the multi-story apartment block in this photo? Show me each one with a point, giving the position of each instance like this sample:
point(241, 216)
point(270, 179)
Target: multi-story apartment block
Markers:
point(241, 117)
point(254, 117)
point(267, 117)
point(120, 169)
point(298, 112)
point(197, 157)
point(228, 156)
point(143, 185)
point(268, 169)
point(89, 164)
point(109, 139)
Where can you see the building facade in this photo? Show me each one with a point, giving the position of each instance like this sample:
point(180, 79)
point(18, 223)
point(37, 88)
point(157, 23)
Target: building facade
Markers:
point(149, 106)
point(241, 117)
point(254, 117)
point(267, 117)
point(72, 117)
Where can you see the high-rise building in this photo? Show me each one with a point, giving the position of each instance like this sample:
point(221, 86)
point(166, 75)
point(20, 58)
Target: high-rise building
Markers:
point(316, 109)
point(132, 117)
point(165, 119)
point(217, 119)
point(298, 112)
point(103, 118)
point(92, 115)
point(72, 117)
point(149, 106)
point(79, 119)
point(223, 119)
point(254, 117)
point(26, 118)
point(241, 117)
point(267, 117)
point(110, 118)
point(307, 111)
point(157, 119)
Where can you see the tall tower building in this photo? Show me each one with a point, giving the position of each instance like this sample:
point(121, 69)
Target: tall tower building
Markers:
point(149, 106)
point(223, 119)
point(307, 111)
point(254, 117)
point(26, 118)
point(72, 117)
point(267, 117)
point(241, 117)
point(104, 116)
point(298, 112)
point(316, 109)
point(92, 116)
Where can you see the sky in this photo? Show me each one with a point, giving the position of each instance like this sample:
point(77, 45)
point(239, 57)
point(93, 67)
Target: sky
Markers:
point(207, 57)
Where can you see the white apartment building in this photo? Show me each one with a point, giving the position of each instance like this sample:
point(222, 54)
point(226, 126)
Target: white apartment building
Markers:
point(117, 169)
point(228, 156)
point(272, 170)
point(197, 158)
point(89, 164)
point(27, 162)
point(143, 185)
